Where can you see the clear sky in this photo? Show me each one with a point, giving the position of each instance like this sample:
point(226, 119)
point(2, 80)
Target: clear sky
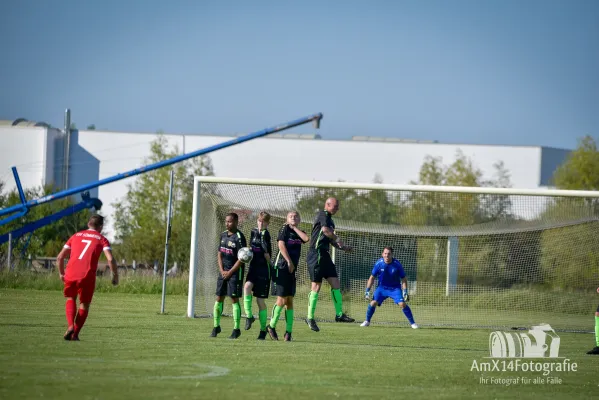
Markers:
point(513, 72)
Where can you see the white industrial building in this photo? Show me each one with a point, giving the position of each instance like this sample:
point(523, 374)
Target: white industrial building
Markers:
point(38, 152)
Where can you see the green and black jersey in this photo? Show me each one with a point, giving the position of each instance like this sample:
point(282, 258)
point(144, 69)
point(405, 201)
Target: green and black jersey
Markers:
point(229, 245)
point(318, 241)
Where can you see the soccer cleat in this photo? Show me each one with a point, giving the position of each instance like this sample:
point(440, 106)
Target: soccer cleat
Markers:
point(312, 324)
point(68, 335)
point(287, 336)
point(215, 331)
point(248, 322)
point(414, 326)
point(262, 335)
point(272, 332)
point(235, 334)
point(75, 338)
point(343, 318)
point(595, 350)
point(365, 323)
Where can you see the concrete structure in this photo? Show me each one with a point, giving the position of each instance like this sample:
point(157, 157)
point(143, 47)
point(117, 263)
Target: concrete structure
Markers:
point(38, 153)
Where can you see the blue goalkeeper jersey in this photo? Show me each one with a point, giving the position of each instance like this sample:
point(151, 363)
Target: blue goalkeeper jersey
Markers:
point(390, 275)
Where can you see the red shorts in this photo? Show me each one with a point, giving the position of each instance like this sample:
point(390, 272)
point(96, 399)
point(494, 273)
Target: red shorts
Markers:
point(84, 288)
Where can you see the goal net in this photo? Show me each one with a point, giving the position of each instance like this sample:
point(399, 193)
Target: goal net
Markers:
point(474, 257)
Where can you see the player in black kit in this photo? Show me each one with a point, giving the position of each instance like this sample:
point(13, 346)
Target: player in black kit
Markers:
point(289, 241)
point(230, 278)
point(258, 277)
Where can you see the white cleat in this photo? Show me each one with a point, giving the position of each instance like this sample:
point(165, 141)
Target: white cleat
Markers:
point(414, 326)
point(365, 323)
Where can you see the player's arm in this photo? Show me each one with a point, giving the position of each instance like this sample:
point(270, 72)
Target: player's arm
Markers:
point(237, 265)
point(266, 245)
point(285, 254)
point(64, 253)
point(113, 267)
point(302, 235)
point(404, 283)
point(368, 287)
point(221, 269)
point(335, 241)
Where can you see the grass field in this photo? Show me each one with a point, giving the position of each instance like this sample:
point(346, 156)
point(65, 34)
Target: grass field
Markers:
point(129, 351)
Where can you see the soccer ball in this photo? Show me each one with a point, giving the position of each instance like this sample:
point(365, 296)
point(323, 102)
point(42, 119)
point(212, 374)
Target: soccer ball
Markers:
point(245, 255)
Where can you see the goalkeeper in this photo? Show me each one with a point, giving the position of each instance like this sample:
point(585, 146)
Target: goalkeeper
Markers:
point(392, 283)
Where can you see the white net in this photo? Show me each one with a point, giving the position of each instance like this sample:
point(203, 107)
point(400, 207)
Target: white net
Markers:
point(472, 259)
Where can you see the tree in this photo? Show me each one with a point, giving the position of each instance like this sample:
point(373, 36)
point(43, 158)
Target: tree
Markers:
point(580, 171)
point(48, 240)
point(91, 127)
point(140, 217)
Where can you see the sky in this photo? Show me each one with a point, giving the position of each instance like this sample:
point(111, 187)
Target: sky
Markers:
point(463, 71)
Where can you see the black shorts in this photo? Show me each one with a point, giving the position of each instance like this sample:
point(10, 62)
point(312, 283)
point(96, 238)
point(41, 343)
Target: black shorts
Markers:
point(283, 282)
point(232, 287)
point(320, 266)
point(260, 277)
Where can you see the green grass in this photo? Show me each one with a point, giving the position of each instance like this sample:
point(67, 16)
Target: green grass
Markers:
point(129, 351)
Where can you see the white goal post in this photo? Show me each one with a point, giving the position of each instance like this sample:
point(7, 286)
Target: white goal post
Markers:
point(475, 256)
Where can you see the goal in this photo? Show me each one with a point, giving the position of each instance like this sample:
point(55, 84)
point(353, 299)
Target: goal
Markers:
point(474, 256)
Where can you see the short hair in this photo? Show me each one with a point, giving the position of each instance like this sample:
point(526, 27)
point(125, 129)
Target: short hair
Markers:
point(388, 248)
point(233, 215)
point(294, 212)
point(264, 216)
point(96, 221)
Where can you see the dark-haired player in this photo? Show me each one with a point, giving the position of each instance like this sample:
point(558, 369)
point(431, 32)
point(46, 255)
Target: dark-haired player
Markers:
point(258, 277)
point(230, 278)
point(289, 241)
point(84, 249)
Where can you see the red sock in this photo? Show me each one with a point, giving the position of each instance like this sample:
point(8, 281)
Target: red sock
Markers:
point(71, 309)
point(81, 317)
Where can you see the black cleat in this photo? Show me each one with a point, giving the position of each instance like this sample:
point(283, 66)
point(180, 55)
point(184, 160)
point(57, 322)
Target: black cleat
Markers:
point(215, 331)
point(235, 334)
point(312, 324)
point(262, 335)
point(343, 318)
point(68, 335)
point(75, 338)
point(595, 350)
point(287, 336)
point(272, 332)
point(248, 322)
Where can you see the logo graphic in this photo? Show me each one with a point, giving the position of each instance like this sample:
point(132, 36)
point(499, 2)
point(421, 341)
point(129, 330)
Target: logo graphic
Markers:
point(540, 341)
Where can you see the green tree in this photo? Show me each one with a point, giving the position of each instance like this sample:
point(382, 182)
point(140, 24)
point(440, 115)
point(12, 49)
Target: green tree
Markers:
point(580, 171)
point(91, 127)
point(140, 217)
point(48, 240)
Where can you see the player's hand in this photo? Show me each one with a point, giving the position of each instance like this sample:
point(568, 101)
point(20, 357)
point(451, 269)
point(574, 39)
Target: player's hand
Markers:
point(406, 295)
point(367, 294)
point(115, 279)
point(62, 277)
point(346, 248)
point(291, 267)
point(224, 274)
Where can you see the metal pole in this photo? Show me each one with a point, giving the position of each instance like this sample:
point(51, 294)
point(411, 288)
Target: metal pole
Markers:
point(67, 146)
point(168, 236)
point(9, 251)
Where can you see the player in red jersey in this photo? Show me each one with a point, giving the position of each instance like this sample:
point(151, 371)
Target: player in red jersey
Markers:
point(84, 248)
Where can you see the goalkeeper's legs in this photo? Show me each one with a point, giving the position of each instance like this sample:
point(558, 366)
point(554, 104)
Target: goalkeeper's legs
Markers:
point(369, 313)
point(408, 313)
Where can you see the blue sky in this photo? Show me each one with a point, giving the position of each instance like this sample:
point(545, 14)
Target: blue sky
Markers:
point(486, 72)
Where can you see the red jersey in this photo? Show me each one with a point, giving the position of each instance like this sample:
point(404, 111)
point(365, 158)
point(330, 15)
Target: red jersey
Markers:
point(86, 248)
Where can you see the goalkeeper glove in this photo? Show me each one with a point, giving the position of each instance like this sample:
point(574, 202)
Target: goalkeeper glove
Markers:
point(367, 294)
point(406, 295)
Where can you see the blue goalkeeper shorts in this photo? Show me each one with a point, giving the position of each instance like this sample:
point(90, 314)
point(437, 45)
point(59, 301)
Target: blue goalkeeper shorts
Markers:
point(381, 294)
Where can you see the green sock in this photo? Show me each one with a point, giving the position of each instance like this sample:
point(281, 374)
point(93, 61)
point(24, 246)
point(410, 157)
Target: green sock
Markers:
point(218, 310)
point(276, 314)
point(289, 320)
point(236, 315)
point(247, 305)
point(338, 301)
point(597, 330)
point(263, 314)
point(313, 299)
